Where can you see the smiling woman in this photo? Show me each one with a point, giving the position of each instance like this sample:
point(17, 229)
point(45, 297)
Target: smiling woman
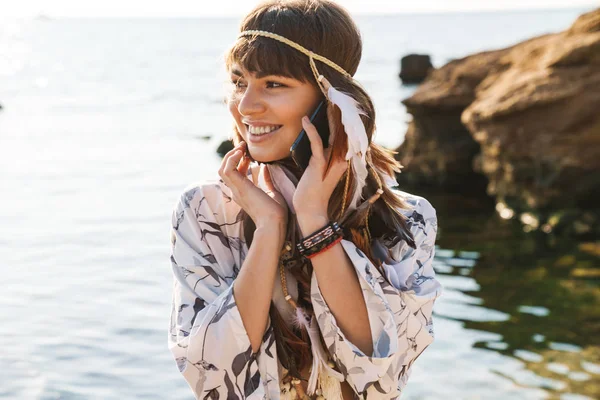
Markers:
point(296, 283)
point(268, 111)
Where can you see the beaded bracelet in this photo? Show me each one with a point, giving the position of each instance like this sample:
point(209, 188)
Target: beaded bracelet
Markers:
point(320, 240)
point(318, 235)
point(327, 247)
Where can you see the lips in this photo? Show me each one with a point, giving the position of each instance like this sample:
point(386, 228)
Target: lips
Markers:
point(260, 134)
point(257, 138)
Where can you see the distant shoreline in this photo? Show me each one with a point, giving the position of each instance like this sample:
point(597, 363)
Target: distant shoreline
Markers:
point(382, 14)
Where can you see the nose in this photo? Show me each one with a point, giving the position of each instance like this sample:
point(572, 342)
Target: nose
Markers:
point(251, 102)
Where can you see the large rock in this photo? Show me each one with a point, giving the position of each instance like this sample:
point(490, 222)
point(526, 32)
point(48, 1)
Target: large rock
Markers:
point(414, 68)
point(526, 117)
point(438, 149)
point(538, 120)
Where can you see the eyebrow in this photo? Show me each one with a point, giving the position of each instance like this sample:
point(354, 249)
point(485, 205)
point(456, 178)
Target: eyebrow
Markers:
point(259, 75)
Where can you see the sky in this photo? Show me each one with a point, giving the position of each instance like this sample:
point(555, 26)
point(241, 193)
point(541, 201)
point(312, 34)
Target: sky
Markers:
point(210, 8)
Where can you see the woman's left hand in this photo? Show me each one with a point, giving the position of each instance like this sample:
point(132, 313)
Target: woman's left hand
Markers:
point(313, 192)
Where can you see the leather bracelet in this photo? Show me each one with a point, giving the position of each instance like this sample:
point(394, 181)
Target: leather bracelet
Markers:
point(318, 235)
point(330, 245)
point(320, 240)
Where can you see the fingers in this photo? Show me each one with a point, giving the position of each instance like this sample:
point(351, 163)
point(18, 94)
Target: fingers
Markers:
point(244, 165)
point(316, 143)
point(232, 163)
point(240, 145)
point(229, 171)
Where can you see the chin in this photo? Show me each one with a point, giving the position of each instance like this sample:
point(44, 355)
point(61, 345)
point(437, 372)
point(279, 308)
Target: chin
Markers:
point(265, 156)
point(271, 151)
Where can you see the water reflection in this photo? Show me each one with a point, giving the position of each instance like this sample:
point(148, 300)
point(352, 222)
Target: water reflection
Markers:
point(537, 298)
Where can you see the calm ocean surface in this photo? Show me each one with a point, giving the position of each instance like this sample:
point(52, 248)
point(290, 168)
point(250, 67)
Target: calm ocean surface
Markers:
point(102, 129)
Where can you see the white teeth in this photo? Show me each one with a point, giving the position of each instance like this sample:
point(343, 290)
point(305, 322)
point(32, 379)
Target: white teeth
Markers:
point(261, 130)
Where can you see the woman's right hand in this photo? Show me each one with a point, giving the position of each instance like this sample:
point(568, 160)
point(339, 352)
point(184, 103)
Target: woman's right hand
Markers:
point(265, 208)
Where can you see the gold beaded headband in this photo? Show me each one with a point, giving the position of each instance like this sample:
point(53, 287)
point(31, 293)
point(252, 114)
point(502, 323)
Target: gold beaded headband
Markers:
point(312, 56)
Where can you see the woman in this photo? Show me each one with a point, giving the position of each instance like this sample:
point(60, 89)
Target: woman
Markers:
point(272, 299)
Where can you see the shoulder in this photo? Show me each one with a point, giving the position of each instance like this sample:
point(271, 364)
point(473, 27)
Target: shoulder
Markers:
point(208, 202)
point(421, 219)
point(211, 193)
point(214, 191)
point(194, 193)
point(418, 204)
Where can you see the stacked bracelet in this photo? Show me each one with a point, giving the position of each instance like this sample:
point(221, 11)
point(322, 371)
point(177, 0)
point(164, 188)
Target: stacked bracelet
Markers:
point(321, 240)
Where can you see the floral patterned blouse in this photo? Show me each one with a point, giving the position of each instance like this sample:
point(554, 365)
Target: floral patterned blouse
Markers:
point(207, 337)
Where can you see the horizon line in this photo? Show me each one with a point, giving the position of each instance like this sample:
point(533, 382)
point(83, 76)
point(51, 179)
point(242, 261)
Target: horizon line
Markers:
point(356, 13)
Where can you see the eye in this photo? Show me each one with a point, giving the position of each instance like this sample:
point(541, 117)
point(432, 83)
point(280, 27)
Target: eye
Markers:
point(237, 83)
point(270, 84)
point(279, 85)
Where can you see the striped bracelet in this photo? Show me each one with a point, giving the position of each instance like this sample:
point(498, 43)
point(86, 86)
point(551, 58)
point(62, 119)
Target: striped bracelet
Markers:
point(330, 245)
point(320, 240)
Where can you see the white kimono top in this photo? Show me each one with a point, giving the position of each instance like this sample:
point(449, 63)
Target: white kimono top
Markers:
point(207, 337)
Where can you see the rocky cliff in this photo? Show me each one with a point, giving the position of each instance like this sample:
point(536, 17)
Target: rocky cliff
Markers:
point(524, 122)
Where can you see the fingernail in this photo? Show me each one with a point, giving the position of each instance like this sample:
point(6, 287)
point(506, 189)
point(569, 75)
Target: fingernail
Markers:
point(305, 119)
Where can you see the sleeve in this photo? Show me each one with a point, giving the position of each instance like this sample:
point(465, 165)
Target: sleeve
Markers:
point(206, 335)
point(400, 315)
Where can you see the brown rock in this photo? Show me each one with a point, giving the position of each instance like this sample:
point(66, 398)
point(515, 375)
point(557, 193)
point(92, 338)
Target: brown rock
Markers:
point(537, 120)
point(438, 149)
point(527, 117)
point(414, 68)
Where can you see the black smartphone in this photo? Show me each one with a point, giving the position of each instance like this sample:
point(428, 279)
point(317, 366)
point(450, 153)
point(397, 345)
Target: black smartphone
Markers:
point(301, 151)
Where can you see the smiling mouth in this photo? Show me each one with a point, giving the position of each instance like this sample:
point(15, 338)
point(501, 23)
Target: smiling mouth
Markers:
point(260, 134)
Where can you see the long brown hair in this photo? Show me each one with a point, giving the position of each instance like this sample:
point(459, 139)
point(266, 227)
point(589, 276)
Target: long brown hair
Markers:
point(327, 29)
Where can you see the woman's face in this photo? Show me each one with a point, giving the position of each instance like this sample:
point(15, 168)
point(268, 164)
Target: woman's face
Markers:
point(268, 111)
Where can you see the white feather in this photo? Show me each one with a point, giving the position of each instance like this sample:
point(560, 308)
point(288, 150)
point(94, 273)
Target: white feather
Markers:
point(358, 142)
point(319, 357)
point(360, 173)
point(319, 366)
point(300, 320)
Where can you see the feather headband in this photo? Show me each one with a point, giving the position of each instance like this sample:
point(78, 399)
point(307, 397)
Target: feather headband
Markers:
point(358, 142)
